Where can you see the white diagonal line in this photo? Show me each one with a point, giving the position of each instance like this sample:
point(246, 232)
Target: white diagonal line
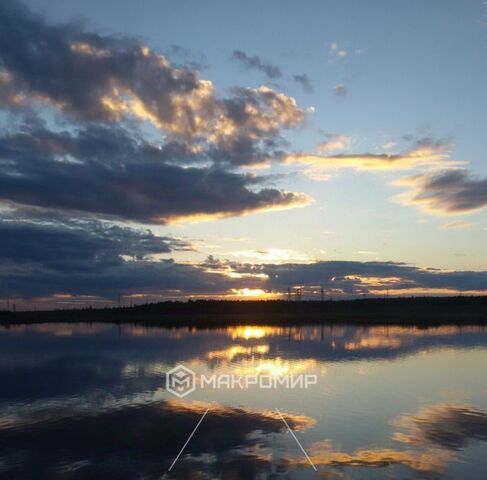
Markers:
point(297, 441)
point(187, 441)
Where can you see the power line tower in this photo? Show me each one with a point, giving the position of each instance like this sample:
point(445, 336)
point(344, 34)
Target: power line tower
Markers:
point(322, 291)
point(288, 294)
point(299, 294)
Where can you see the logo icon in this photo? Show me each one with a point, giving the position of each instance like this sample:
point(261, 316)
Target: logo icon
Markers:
point(180, 381)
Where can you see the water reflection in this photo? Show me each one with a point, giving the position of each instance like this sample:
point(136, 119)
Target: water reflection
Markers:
point(89, 401)
point(132, 441)
point(448, 426)
point(428, 463)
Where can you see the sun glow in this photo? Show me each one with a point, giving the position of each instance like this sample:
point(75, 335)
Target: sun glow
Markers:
point(250, 292)
point(248, 332)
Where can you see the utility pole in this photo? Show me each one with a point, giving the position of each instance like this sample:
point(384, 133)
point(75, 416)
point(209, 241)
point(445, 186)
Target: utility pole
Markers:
point(288, 294)
point(322, 294)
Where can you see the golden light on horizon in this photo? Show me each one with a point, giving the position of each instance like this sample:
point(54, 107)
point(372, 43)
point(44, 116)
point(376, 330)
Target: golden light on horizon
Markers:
point(250, 332)
point(250, 292)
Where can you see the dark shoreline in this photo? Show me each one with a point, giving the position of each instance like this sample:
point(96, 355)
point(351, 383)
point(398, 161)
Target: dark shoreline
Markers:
point(419, 311)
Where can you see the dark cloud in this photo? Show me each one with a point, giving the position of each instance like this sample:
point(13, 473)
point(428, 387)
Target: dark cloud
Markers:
point(304, 81)
point(164, 278)
point(256, 63)
point(448, 426)
point(446, 192)
point(78, 245)
point(45, 257)
point(195, 60)
point(340, 90)
point(242, 150)
point(109, 273)
point(104, 171)
point(352, 278)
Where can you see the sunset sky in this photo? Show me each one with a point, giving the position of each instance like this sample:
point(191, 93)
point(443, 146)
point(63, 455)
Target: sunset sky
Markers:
point(224, 149)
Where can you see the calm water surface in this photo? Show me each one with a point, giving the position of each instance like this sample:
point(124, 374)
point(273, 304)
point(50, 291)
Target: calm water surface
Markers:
point(90, 402)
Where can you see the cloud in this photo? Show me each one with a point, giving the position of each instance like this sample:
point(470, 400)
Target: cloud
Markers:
point(448, 426)
point(105, 171)
point(130, 137)
point(277, 255)
point(355, 278)
point(103, 282)
point(456, 225)
point(124, 261)
point(88, 77)
point(304, 81)
point(44, 256)
point(256, 63)
point(195, 60)
point(362, 277)
point(426, 152)
point(96, 77)
point(96, 160)
point(334, 141)
point(93, 78)
point(336, 51)
point(340, 90)
point(445, 192)
point(78, 245)
point(107, 271)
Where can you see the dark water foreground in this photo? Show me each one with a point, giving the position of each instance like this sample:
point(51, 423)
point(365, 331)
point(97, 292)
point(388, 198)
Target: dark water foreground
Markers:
point(81, 401)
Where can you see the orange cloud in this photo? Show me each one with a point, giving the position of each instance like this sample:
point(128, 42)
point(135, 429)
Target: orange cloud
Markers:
point(422, 154)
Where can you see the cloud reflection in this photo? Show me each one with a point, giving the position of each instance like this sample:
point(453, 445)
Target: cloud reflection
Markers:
point(129, 442)
point(448, 426)
point(426, 462)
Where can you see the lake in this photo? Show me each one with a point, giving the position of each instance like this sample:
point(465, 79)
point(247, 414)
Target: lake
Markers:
point(93, 401)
